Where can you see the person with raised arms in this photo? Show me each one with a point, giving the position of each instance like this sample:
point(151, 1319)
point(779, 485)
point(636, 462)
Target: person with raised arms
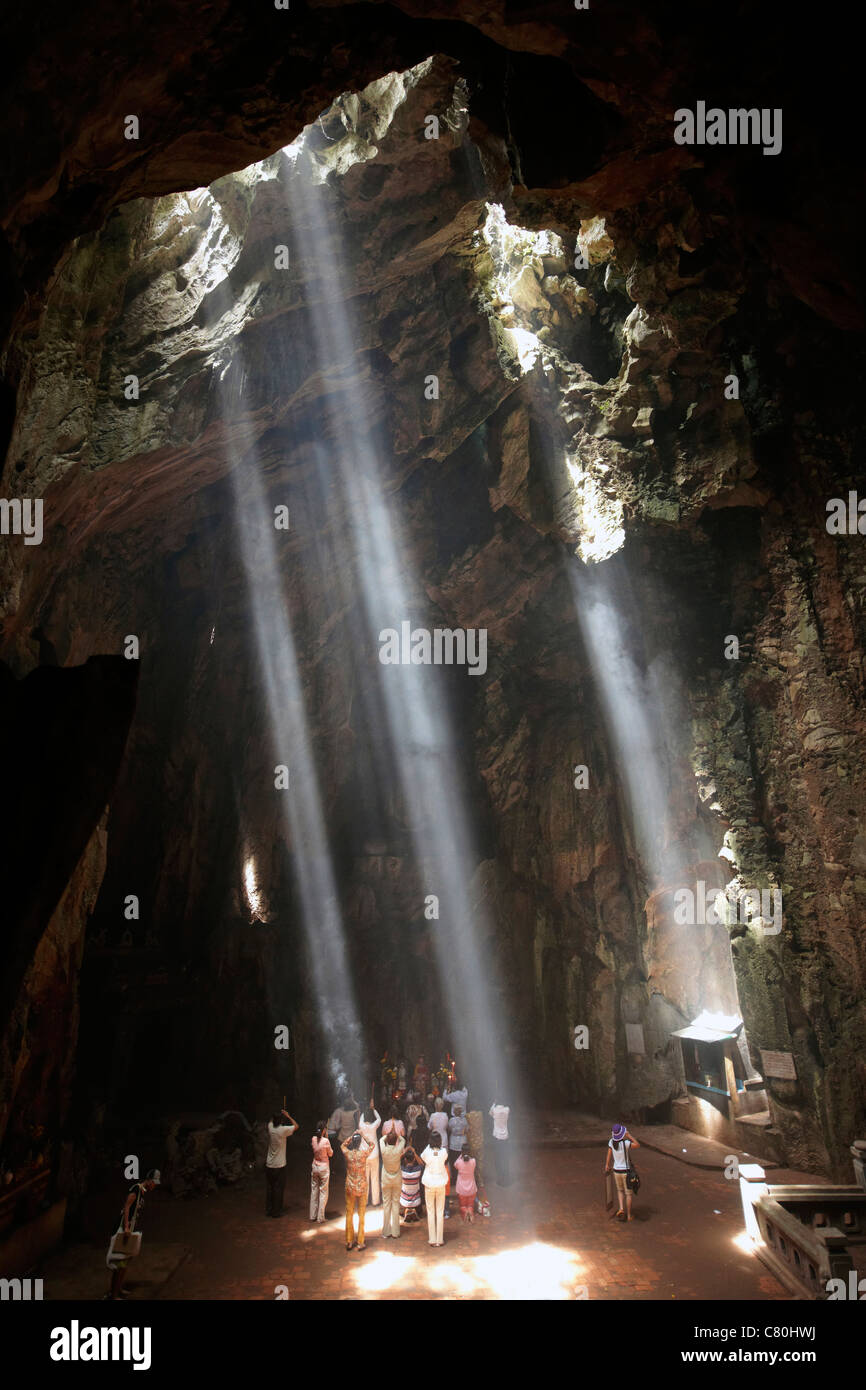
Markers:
point(368, 1125)
point(435, 1180)
point(275, 1163)
point(320, 1176)
point(391, 1147)
point(355, 1152)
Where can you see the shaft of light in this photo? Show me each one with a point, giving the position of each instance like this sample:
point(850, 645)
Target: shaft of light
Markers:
point(424, 755)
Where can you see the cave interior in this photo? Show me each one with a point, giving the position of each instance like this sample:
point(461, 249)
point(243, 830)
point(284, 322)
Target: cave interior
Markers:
point(433, 605)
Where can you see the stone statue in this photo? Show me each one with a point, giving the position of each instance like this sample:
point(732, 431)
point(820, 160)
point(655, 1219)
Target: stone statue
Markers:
point(421, 1078)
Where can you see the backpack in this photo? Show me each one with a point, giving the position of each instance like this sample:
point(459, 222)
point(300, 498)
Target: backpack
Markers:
point(632, 1181)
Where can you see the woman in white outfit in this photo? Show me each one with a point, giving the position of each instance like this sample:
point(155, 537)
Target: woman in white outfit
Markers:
point(501, 1143)
point(435, 1179)
point(438, 1123)
point(320, 1176)
point(368, 1125)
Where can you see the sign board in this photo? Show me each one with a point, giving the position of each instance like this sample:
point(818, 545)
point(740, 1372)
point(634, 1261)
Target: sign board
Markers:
point(634, 1039)
point(779, 1064)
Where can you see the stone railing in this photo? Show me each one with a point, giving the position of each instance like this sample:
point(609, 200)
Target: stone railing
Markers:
point(806, 1232)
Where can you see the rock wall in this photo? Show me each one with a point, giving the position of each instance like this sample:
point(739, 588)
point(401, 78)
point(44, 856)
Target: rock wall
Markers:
point(63, 739)
point(38, 1058)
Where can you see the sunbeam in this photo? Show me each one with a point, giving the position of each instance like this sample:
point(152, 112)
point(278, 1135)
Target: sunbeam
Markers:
point(421, 748)
point(300, 803)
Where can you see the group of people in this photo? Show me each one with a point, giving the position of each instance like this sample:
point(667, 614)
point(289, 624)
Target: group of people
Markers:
point(411, 1166)
point(419, 1160)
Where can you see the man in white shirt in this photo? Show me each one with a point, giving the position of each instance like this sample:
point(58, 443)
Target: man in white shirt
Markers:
point(368, 1125)
point(275, 1164)
point(501, 1144)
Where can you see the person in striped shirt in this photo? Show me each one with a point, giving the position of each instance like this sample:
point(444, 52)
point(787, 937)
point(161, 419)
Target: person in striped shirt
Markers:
point(410, 1192)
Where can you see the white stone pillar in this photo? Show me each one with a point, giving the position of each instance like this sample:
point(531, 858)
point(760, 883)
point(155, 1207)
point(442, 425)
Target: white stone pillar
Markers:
point(752, 1186)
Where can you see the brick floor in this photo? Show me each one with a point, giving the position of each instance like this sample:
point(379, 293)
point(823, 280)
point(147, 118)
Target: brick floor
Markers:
point(548, 1237)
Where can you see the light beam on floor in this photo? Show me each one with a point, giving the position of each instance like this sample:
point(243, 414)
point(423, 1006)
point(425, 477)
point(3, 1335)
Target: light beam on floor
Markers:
point(535, 1271)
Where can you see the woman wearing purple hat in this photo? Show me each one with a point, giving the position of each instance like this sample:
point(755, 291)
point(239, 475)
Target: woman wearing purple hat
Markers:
point(617, 1153)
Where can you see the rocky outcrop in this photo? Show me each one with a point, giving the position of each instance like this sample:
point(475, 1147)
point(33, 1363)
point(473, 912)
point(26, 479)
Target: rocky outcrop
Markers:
point(64, 735)
point(200, 1158)
point(39, 1045)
